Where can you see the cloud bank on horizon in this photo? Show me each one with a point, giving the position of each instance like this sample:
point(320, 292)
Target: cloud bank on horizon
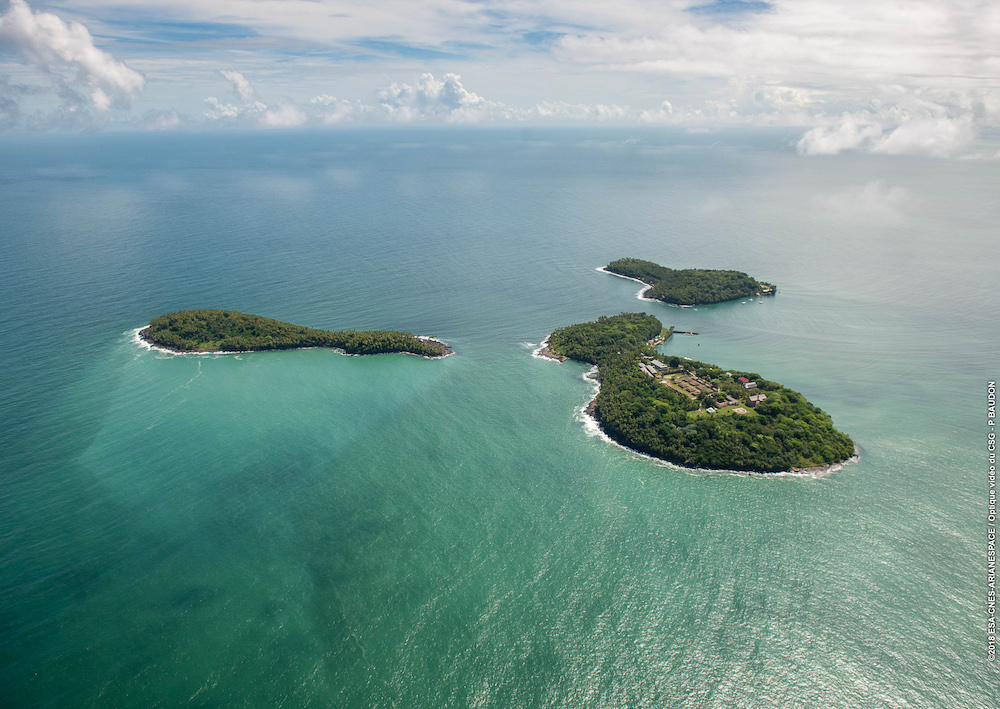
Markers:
point(880, 76)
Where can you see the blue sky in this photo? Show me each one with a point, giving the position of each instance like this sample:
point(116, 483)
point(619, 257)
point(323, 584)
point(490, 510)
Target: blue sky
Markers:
point(854, 75)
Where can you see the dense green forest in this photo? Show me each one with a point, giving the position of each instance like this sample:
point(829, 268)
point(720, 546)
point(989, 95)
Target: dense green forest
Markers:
point(638, 410)
point(691, 286)
point(230, 331)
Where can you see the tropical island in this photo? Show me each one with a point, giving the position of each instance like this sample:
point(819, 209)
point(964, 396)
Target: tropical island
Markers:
point(691, 413)
point(232, 331)
point(690, 286)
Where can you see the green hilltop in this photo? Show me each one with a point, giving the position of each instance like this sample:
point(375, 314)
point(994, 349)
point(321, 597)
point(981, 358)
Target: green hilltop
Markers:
point(691, 286)
point(692, 413)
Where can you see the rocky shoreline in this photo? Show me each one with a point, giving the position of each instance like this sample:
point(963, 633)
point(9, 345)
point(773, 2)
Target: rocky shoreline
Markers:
point(589, 412)
point(546, 353)
point(436, 343)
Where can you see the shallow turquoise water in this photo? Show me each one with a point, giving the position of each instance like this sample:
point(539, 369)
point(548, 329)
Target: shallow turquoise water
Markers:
point(303, 528)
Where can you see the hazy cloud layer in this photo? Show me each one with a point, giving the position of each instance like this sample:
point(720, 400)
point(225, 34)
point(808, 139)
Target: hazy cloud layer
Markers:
point(447, 100)
point(921, 77)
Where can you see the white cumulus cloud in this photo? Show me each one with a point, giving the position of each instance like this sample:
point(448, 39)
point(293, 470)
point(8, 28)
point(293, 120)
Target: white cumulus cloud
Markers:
point(217, 110)
point(334, 111)
point(241, 85)
point(850, 132)
point(67, 54)
point(890, 134)
point(246, 94)
point(938, 137)
point(249, 110)
point(286, 115)
point(446, 99)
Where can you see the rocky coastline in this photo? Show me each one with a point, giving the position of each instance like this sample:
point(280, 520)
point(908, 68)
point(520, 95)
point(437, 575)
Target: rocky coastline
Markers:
point(144, 336)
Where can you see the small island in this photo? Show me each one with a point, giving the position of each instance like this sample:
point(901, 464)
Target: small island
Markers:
point(231, 331)
point(690, 286)
point(691, 413)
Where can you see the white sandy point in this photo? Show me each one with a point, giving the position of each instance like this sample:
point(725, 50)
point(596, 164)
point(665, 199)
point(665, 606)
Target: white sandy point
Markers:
point(641, 295)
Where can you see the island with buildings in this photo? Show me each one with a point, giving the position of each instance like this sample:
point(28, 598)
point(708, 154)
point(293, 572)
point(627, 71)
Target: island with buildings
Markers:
point(691, 413)
point(204, 331)
point(690, 286)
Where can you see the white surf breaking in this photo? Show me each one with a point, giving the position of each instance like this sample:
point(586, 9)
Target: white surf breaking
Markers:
point(539, 352)
point(592, 427)
point(641, 295)
point(166, 350)
point(145, 344)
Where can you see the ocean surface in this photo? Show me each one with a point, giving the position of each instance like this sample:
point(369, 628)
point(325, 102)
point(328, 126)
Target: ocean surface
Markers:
point(303, 528)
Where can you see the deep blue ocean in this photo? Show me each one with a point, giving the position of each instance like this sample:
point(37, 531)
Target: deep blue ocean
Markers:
point(302, 528)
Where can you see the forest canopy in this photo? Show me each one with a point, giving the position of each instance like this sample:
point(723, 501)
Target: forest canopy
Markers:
point(692, 413)
point(231, 331)
point(691, 286)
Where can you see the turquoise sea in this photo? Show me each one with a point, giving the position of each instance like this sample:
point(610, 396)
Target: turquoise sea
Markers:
point(307, 529)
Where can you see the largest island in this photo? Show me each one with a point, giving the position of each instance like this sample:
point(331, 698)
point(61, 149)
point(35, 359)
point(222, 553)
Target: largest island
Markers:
point(692, 413)
point(232, 331)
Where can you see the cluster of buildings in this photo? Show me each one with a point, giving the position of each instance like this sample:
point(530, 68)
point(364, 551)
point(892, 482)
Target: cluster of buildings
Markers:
point(753, 399)
point(691, 385)
point(654, 368)
point(694, 387)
